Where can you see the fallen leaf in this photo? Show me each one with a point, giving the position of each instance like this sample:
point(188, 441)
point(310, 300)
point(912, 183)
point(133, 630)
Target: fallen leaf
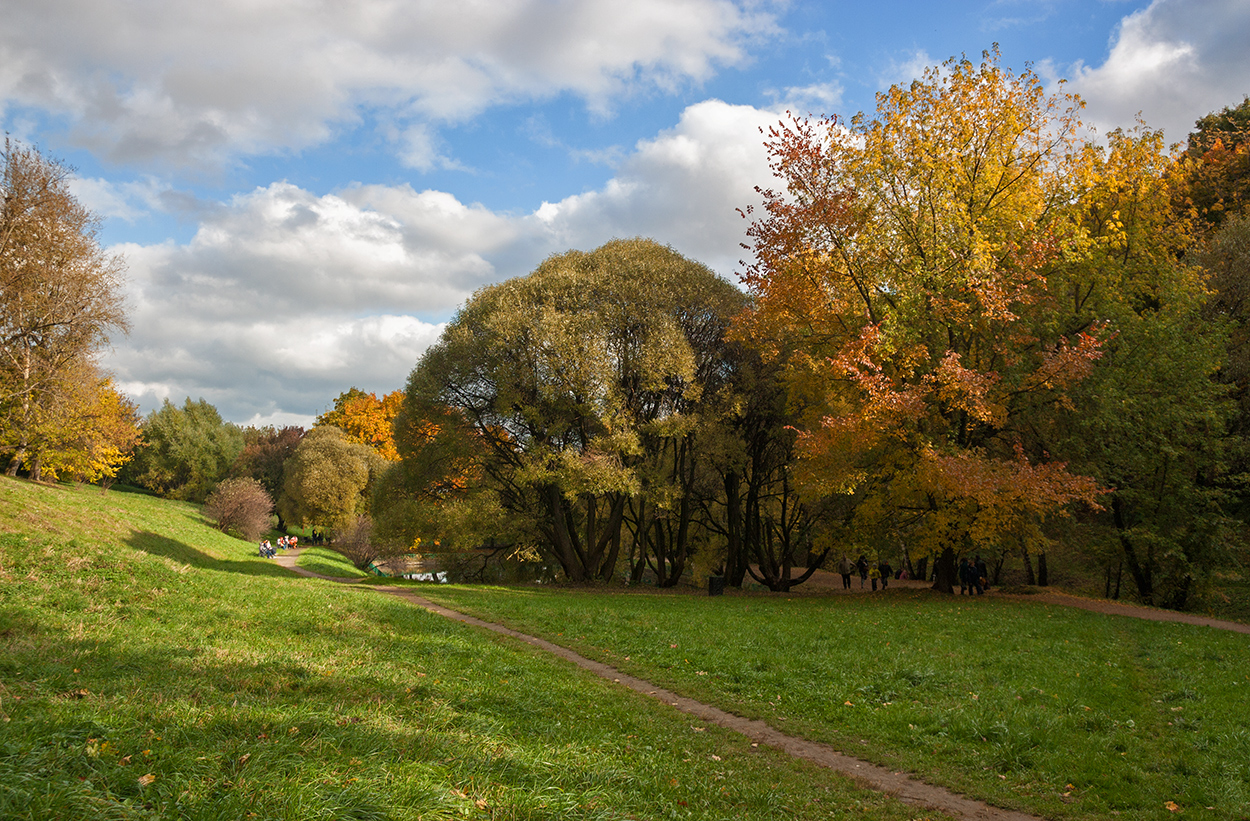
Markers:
point(147, 779)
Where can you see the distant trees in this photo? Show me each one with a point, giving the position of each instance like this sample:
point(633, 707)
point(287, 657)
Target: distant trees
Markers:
point(186, 450)
point(60, 298)
point(366, 419)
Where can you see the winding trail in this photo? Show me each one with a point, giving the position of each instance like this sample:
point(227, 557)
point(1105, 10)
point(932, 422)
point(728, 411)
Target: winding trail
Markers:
point(905, 788)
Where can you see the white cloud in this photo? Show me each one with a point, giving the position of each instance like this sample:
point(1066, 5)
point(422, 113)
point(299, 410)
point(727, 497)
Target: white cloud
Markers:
point(204, 82)
point(817, 98)
point(682, 188)
point(1174, 62)
point(283, 299)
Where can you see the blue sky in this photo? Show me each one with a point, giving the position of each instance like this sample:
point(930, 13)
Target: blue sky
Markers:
point(304, 191)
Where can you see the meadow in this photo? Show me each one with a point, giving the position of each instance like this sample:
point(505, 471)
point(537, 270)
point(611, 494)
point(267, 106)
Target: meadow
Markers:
point(152, 667)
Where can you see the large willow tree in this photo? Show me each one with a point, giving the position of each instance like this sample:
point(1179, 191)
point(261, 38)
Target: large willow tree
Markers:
point(576, 393)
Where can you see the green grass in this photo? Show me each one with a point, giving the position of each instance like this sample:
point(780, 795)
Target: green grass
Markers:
point(151, 667)
point(325, 561)
point(1056, 711)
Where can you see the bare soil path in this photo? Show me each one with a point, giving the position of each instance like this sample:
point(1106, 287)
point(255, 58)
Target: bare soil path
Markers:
point(905, 788)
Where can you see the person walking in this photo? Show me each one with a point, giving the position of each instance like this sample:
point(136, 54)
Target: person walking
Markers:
point(873, 575)
point(982, 571)
point(862, 566)
point(886, 572)
point(844, 567)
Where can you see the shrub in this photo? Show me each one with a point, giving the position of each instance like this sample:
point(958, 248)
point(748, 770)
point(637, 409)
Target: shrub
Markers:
point(240, 506)
point(356, 544)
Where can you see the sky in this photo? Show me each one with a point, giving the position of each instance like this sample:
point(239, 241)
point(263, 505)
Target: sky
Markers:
point(305, 191)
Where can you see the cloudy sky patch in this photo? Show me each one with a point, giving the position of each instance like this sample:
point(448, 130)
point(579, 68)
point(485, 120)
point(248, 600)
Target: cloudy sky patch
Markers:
point(306, 192)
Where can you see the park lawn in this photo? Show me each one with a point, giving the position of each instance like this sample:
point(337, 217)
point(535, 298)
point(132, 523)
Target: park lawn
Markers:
point(325, 561)
point(1056, 711)
point(151, 667)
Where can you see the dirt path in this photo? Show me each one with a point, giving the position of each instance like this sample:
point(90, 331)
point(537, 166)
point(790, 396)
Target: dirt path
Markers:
point(906, 789)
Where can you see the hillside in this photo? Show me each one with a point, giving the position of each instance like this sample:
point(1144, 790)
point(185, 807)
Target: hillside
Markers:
point(151, 667)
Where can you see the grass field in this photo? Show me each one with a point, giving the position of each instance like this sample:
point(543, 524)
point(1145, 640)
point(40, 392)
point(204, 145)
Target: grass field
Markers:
point(1060, 712)
point(151, 667)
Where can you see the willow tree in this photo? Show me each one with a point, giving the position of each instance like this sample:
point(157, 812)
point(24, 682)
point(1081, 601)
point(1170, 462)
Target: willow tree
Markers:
point(901, 280)
point(581, 387)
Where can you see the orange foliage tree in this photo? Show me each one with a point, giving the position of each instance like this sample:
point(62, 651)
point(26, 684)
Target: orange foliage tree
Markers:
point(901, 281)
point(366, 419)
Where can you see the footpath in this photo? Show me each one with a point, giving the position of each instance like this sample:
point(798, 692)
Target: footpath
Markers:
point(904, 787)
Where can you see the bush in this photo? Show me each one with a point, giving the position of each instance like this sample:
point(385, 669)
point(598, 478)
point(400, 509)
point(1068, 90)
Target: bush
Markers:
point(240, 506)
point(355, 543)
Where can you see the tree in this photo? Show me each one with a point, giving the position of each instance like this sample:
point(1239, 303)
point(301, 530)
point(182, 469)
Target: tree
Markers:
point(1218, 166)
point(60, 297)
point(328, 480)
point(241, 506)
point(264, 457)
point(88, 433)
point(582, 384)
point(366, 419)
point(186, 450)
point(901, 281)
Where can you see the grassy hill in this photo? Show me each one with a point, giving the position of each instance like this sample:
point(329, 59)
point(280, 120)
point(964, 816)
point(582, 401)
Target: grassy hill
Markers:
point(151, 667)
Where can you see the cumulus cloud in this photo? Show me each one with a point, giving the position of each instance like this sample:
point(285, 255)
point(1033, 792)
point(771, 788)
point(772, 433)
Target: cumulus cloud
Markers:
point(683, 188)
point(203, 82)
point(283, 299)
point(1173, 61)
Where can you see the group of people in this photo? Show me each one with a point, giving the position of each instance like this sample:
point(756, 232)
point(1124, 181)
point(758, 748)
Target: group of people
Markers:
point(973, 574)
point(284, 543)
point(881, 572)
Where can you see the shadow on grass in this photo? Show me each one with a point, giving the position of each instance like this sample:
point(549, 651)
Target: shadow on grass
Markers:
point(155, 544)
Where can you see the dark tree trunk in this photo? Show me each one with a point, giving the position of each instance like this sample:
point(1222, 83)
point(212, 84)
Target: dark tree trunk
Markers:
point(922, 567)
point(1029, 578)
point(944, 572)
point(1042, 576)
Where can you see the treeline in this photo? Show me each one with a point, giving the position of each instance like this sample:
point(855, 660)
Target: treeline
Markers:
point(971, 327)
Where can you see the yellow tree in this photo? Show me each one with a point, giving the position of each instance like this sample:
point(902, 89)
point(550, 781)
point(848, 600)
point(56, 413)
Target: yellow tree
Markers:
point(60, 296)
point(901, 279)
point(366, 419)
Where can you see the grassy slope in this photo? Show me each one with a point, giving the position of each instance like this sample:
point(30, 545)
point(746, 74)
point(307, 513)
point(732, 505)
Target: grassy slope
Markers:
point(1062, 712)
point(151, 667)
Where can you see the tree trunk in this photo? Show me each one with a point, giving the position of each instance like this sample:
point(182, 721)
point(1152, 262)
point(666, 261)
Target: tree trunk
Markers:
point(1029, 578)
point(1043, 578)
point(944, 572)
point(922, 567)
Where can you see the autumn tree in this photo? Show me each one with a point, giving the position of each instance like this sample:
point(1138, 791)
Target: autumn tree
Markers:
point(1217, 166)
point(60, 298)
point(328, 480)
point(264, 456)
point(186, 451)
point(581, 384)
point(901, 279)
point(366, 419)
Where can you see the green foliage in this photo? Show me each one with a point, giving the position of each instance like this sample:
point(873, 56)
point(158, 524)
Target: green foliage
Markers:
point(264, 455)
point(328, 480)
point(573, 383)
point(186, 451)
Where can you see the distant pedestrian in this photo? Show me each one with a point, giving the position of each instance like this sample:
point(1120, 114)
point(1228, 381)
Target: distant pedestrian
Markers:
point(886, 572)
point(982, 571)
point(845, 567)
point(873, 575)
point(964, 573)
point(862, 565)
